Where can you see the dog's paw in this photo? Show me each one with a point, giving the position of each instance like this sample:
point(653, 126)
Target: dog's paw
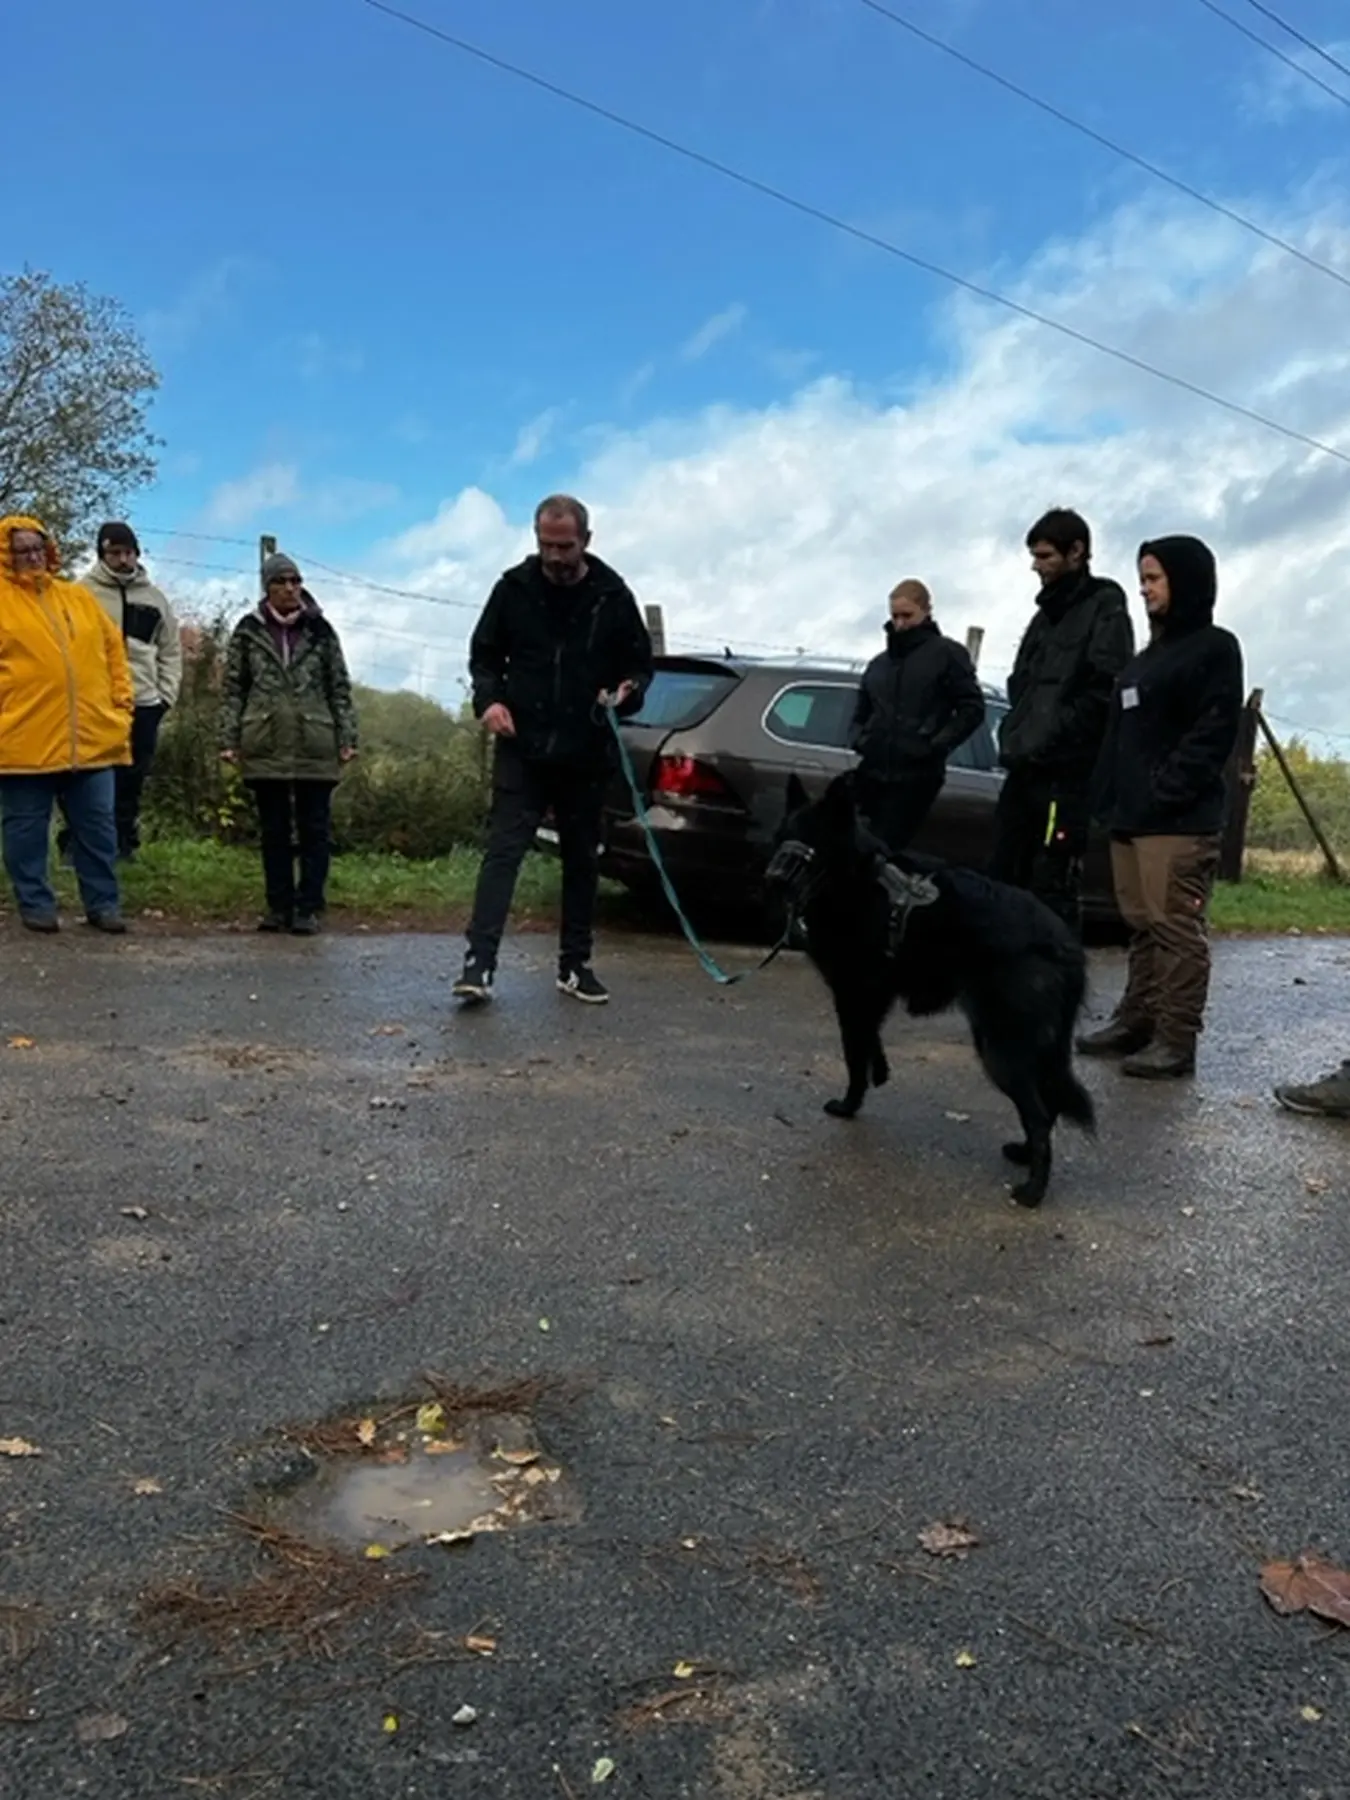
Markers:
point(1028, 1193)
point(840, 1109)
point(1018, 1152)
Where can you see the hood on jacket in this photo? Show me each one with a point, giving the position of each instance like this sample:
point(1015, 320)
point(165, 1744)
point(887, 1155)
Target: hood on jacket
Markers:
point(101, 576)
point(13, 522)
point(530, 573)
point(309, 609)
point(1192, 579)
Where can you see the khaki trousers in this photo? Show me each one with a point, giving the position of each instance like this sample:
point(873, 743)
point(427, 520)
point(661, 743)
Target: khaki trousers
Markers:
point(1162, 887)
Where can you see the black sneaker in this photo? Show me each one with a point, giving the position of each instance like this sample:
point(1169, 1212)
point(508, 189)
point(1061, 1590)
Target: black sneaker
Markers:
point(274, 921)
point(475, 982)
point(36, 921)
point(583, 984)
point(306, 925)
point(111, 922)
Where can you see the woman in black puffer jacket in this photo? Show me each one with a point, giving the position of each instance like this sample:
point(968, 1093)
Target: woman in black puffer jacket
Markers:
point(1161, 790)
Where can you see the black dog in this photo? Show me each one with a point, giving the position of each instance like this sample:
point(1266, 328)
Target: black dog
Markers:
point(1016, 971)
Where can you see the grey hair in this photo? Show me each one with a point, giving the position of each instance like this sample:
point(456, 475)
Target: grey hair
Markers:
point(564, 506)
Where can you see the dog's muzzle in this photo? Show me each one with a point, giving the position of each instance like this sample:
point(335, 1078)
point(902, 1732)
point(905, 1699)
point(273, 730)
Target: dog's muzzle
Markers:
point(790, 864)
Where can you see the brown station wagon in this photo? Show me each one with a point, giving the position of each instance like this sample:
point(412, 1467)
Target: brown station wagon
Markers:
point(713, 747)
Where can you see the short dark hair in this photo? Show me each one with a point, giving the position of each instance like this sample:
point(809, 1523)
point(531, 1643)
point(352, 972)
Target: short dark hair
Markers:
point(1063, 528)
point(564, 506)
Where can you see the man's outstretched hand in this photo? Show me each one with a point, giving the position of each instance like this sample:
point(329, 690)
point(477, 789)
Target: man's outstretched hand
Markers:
point(497, 719)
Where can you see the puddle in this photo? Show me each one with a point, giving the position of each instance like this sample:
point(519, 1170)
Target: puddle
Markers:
point(433, 1487)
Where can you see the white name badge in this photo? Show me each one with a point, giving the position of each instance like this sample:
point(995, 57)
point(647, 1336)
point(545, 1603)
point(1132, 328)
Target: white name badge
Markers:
point(1129, 697)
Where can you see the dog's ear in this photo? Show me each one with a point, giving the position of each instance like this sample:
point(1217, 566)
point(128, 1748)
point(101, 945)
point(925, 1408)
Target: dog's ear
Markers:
point(838, 802)
point(797, 796)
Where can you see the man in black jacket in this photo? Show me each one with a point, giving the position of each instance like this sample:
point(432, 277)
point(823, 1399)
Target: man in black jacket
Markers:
point(1161, 792)
point(918, 700)
point(560, 639)
point(1060, 697)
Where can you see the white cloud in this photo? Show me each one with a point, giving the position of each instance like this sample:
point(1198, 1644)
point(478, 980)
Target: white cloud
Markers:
point(785, 526)
point(721, 325)
point(1278, 93)
point(533, 436)
point(268, 488)
point(205, 300)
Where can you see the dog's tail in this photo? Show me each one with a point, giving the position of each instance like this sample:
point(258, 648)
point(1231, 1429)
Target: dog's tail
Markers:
point(1073, 1101)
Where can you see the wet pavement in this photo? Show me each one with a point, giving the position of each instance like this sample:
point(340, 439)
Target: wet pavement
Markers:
point(248, 1184)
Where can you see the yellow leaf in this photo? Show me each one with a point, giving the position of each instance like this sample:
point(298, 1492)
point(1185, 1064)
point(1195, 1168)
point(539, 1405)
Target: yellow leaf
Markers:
point(22, 1043)
point(365, 1432)
point(481, 1646)
point(682, 1671)
point(1310, 1714)
point(442, 1446)
point(391, 1721)
point(602, 1770)
point(146, 1485)
point(374, 1552)
point(964, 1660)
point(431, 1418)
point(18, 1447)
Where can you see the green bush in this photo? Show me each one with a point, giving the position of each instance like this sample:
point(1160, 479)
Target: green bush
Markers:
point(1275, 821)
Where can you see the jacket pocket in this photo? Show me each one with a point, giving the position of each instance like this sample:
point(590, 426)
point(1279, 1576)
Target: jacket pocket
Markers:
point(257, 734)
point(318, 736)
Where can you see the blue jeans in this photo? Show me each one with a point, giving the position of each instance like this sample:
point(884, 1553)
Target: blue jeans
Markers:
point(87, 798)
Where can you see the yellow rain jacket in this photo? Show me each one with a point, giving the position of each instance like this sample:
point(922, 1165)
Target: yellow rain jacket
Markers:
point(65, 688)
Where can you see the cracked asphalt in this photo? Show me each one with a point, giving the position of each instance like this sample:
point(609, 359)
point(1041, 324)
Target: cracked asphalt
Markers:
point(796, 1344)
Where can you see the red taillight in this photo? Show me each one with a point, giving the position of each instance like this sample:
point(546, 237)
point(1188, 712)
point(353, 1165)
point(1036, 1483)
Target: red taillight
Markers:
point(686, 778)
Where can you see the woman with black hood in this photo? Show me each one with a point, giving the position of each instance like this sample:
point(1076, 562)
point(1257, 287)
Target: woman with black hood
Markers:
point(1160, 789)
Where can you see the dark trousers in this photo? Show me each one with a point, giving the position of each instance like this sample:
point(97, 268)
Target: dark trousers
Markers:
point(895, 810)
point(310, 838)
point(1040, 839)
point(521, 794)
point(132, 776)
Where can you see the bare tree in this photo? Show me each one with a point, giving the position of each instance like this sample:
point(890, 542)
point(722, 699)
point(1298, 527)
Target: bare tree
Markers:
point(75, 383)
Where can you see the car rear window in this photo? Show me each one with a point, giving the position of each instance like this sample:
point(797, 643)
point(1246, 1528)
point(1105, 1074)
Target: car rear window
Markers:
point(678, 698)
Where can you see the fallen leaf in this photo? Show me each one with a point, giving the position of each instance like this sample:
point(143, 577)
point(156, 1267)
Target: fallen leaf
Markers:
point(958, 1118)
point(396, 1453)
point(1316, 1184)
point(101, 1728)
point(133, 1212)
point(1246, 1492)
point(949, 1537)
point(391, 1722)
point(1310, 1714)
point(481, 1646)
point(146, 1485)
point(365, 1432)
point(964, 1659)
point(22, 1043)
point(461, 1536)
point(387, 1031)
point(518, 1459)
point(544, 1325)
point(375, 1552)
point(682, 1671)
point(442, 1446)
point(465, 1716)
point(602, 1771)
point(1308, 1584)
point(18, 1447)
point(431, 1418)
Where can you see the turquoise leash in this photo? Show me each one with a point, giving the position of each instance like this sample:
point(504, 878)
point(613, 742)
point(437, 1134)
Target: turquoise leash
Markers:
point(710, 964)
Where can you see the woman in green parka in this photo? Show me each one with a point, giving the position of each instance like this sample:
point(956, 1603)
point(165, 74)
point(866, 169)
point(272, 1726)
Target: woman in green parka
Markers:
point(288, 724)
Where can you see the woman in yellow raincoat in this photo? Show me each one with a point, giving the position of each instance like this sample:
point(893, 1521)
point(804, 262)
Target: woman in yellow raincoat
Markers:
point(65, 724)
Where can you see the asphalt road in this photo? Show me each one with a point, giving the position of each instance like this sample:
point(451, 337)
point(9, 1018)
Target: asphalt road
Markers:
point(799, 1343)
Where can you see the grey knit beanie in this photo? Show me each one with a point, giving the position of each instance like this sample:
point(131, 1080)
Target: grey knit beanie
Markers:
point(277, 565)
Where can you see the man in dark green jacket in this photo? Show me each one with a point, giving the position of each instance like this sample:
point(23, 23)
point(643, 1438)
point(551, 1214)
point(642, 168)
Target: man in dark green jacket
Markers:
point(289, 726)
point(1060, 699)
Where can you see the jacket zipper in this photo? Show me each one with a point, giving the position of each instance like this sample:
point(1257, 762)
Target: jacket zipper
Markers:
point(52, 617)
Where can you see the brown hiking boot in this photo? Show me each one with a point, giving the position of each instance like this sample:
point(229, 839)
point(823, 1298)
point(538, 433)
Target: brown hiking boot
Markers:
point(1116, 1038)
point(1328, 1098)
point(1161, 1062)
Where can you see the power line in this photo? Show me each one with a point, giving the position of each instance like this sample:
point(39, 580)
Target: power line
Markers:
point(1097, 137)
point(807, 210)
point(1265, 44)
point(1295, 33)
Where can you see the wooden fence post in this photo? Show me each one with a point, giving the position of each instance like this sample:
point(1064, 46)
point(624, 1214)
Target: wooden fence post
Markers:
point(1323, 844)
point(1240, 779)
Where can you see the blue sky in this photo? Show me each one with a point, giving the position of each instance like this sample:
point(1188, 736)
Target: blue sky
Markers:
point(395, 296)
